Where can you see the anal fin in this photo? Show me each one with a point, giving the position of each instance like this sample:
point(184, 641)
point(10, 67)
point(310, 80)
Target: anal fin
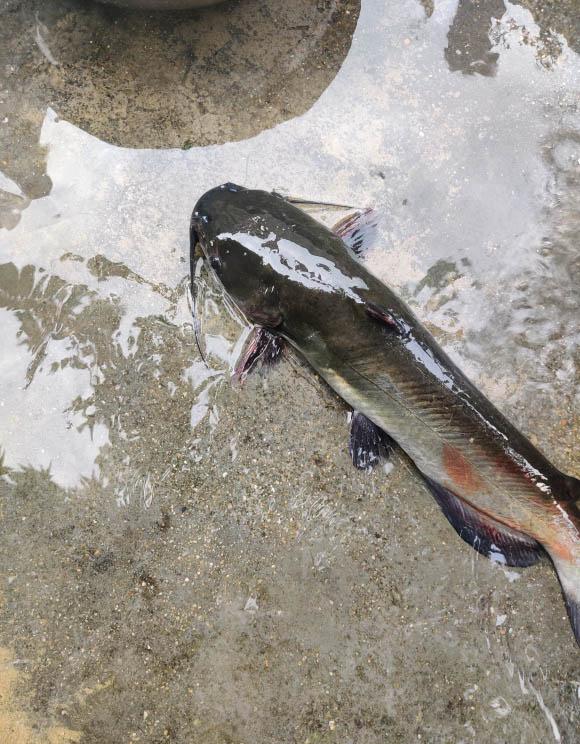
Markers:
point(367, 443)
point(489, 537)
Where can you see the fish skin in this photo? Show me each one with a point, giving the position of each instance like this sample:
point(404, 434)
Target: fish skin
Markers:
point(291, 275)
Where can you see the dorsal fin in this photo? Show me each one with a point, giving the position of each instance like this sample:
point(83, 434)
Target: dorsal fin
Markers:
point(309, 205)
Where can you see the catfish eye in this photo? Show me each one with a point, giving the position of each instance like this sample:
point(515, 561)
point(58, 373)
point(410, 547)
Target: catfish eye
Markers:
point(215, 263)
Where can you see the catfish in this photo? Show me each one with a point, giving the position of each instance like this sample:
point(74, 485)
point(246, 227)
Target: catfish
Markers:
point(302, 284)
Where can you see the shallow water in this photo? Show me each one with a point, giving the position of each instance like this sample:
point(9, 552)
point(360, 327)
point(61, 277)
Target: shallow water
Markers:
point(201, 557)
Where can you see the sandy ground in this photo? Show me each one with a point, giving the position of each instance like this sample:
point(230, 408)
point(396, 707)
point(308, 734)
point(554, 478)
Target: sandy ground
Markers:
point(183, 560)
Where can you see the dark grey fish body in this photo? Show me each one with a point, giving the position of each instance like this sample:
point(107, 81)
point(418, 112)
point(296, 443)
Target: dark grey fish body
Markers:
point(293, 276)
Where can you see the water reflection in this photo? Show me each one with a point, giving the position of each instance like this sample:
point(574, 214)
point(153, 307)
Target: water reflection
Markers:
point(23, 174)
point(480, 27)
point(469, 44)
point(80, 351)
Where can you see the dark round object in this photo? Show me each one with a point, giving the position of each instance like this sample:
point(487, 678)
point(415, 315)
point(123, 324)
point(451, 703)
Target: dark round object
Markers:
point(162, 4)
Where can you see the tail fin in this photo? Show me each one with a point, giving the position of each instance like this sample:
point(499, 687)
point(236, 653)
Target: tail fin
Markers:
point(572, 489)
point(569, 571)
point(569, 574)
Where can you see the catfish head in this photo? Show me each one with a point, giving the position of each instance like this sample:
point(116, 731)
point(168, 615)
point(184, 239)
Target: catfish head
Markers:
point(285, 271)
point(224, 225)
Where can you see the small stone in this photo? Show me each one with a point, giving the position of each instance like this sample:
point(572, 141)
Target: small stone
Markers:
point(251, 605)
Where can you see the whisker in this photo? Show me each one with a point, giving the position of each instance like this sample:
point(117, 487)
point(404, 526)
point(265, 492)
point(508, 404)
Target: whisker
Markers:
point(192, 301)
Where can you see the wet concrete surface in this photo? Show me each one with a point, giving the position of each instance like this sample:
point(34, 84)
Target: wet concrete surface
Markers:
point(186, 560)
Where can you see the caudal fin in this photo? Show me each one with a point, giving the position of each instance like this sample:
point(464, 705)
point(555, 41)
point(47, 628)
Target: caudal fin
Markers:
point(569, 574)
point(571, 490)
point(569, 570)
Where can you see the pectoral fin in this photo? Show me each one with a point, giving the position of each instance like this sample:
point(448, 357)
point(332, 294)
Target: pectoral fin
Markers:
point(262, 345)
point(489, 537)
point(387, 318)
point(367, 442)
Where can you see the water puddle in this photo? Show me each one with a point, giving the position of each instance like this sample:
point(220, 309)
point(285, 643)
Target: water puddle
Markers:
point(460, 124)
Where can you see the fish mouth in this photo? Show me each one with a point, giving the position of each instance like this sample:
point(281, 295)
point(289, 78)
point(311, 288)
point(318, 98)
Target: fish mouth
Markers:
point(207, 207)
